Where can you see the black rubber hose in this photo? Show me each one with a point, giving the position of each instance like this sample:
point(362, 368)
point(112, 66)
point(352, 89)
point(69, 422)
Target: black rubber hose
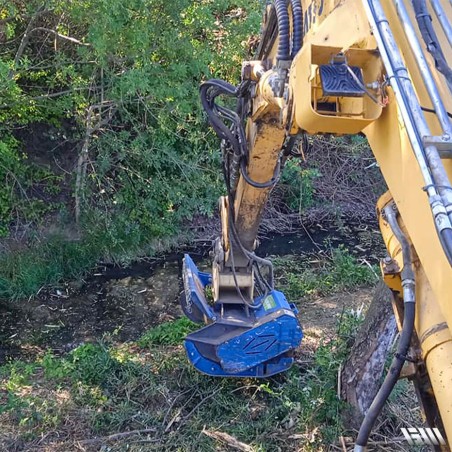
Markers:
point(446, 242)
point(424, 21)
point(430, 110)
point(297, 27)
point(216, 114)
point(390, 380)
point(270, 183)
point(282, 15)
point(405, 336)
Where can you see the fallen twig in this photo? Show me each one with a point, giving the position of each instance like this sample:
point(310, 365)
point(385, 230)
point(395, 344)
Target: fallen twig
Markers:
point(116, 436)
point(59, 35)
point(344, 447)
point(173, 419)
point(371, 269)
point(229, 440)
point(201, 402)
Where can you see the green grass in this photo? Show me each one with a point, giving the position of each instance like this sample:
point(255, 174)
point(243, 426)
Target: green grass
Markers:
point(50, 261)
point(24, 272)
point(298, 278)
point(107, 388)
point(168, 333)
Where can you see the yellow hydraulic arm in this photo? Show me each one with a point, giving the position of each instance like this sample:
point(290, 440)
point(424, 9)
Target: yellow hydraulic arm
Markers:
point(377, 67)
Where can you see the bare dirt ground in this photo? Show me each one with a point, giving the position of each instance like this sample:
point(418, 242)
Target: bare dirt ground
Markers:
point(320, 315)
point(128, 301)
point(63, 318)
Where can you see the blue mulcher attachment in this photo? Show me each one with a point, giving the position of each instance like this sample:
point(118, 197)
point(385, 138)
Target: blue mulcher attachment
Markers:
point(238, 342)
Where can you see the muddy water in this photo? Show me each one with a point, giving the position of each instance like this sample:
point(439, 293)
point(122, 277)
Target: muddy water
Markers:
point(123, 302)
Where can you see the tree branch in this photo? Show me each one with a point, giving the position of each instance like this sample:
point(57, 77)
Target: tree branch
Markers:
point(117, 436)
point(50, 95)
point(91, 127)
point(59, 35)
point(25, 40)
point(232, 442)
point(27, 35)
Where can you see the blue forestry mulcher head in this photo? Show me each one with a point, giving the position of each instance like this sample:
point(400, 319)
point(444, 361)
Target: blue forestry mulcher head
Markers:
point(238, 342)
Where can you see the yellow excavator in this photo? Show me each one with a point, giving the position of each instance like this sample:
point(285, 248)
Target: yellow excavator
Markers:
point(376, 67)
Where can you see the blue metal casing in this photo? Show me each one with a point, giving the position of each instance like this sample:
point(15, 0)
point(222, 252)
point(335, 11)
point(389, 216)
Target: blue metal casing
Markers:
point(237, 342)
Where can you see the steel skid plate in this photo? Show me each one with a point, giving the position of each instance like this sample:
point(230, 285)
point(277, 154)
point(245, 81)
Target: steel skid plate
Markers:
point(193, 300)
point(236, 343)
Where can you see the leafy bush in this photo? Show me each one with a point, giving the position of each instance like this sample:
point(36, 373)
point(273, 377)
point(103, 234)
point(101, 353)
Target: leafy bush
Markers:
point(9, 167)
point(297, 185)
point(127, 74)
point(169, 333)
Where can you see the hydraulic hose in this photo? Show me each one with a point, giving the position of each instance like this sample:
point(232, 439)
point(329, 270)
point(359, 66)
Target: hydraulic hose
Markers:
point(251, 255)
point(282, 15)
point(267, 184)
point(437, 184)
point(297, 27)
point(446, 242)
point(424, 21)
point(408, 284)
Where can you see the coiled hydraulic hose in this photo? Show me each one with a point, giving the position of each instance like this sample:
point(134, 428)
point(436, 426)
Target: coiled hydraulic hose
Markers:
point(270, 183)
point(297, 27)
point(282, 15)
point(409, 298)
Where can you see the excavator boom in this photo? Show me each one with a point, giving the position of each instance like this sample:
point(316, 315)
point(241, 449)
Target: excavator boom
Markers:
point(376, 67)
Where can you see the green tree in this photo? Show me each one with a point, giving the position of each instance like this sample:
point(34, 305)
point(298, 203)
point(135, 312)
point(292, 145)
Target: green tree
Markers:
point(128, 72)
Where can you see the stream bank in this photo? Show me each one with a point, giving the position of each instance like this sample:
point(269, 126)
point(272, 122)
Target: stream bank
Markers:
point(123, 302)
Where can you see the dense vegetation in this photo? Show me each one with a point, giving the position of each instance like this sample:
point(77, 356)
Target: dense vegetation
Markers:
point(101, 125)
point(104, 149)
point(105, 154)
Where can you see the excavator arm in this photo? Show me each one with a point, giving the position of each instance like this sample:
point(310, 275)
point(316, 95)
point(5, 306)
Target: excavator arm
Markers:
point(338, 67)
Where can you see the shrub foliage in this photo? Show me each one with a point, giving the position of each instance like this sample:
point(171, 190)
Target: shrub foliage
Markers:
point(127, 73)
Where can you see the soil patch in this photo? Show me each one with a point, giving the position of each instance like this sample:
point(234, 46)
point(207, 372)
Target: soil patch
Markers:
point(63, 318)
point(125, 302)
point(321, 315)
